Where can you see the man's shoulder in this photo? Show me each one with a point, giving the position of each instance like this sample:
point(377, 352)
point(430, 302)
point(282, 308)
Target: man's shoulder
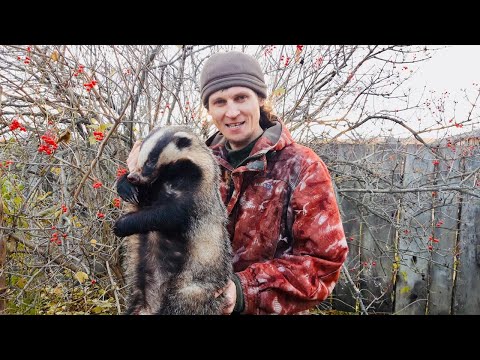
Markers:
point(300, 152)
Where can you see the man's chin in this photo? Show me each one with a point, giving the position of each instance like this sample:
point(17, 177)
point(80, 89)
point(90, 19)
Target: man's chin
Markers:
point(236, 142)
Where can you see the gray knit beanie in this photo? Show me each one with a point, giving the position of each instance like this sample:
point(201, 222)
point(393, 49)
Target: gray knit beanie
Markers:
point(234, 68)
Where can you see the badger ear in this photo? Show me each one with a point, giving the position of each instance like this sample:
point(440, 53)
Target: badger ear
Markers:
point(183, 142)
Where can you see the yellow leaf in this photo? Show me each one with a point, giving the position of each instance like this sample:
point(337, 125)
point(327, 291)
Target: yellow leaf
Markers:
point(279, 92)
point(81, 277)
point(93, 242)
point(405, 289)
point(57, 214)
point(56, 170)
point(77, 223)
point(104, 127)
point(54, 56)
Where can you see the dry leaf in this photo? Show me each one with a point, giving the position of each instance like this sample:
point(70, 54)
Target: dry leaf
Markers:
point(65, 136)
point(58, 291)
point(54, 56)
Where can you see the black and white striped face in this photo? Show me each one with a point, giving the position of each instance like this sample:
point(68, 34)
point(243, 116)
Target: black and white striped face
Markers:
point(166, 146)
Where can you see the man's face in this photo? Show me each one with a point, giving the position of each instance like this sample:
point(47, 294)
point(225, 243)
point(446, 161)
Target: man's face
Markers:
point(236, 114)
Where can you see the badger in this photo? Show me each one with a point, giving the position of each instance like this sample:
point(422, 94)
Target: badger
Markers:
point(178, 249)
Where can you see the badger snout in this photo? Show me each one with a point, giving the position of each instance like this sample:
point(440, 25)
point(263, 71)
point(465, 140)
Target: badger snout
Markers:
point(133, 178)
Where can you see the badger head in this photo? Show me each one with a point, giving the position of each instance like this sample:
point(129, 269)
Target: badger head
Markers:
point(167, 146)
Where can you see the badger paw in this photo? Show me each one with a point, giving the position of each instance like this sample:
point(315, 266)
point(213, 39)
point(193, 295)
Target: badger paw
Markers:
point(127, 191)
point(119, 228)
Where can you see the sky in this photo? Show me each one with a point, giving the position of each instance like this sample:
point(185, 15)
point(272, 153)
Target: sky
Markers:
point(452, 68)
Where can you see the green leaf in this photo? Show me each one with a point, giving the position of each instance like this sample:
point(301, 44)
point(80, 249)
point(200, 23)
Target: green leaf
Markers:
point(97, 310)
point(21, 282)
point(17, 200)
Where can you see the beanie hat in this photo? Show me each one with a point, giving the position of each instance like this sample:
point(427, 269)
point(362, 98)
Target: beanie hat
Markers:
point(234, 68)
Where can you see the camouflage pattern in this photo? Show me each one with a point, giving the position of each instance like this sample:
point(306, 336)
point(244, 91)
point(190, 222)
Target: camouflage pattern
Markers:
point(287, 236)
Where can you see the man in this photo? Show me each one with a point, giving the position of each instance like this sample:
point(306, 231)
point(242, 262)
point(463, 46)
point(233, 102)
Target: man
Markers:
point(284, 223)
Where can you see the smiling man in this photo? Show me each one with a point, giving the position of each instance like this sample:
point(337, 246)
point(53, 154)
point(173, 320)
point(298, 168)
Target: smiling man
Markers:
point(284, 223)
point(236, 111)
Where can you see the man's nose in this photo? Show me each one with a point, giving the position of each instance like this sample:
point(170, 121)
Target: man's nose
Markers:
point(232, 111)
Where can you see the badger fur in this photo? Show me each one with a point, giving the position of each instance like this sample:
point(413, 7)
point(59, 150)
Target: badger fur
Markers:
point(178, 250)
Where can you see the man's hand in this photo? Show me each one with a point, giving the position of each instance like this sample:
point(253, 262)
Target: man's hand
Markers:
point(133, 156)
point(230, 293)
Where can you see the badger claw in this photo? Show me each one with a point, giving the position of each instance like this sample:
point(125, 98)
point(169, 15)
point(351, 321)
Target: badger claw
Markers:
point(127, 191)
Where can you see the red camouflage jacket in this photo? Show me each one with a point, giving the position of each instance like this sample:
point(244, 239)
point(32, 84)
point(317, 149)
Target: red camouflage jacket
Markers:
point(287, 236)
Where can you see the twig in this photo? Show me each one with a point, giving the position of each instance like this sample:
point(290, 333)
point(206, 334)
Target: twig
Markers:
point(114, 284)
point(355, 290)
point(57, 260)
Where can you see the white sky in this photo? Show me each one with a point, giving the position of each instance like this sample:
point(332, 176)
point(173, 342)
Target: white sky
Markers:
point(451, 69)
